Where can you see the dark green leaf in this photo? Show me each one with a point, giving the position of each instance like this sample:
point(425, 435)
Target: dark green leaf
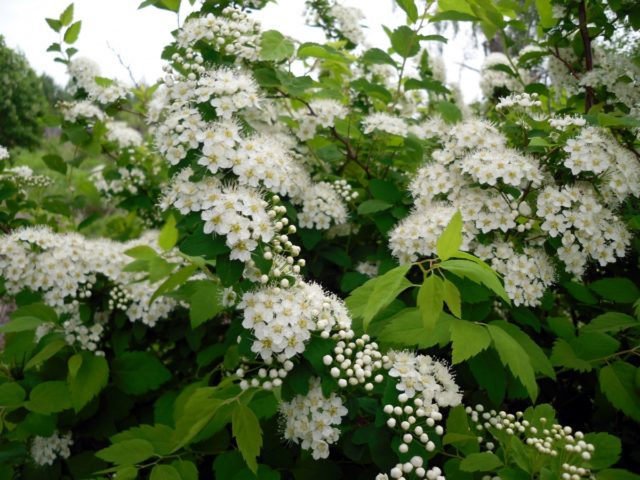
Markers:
point(136, 373)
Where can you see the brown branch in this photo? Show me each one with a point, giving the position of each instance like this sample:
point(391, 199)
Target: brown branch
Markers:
point(588, 58)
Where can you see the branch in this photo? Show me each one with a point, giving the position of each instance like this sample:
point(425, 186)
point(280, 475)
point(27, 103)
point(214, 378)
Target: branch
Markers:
point(586, 41)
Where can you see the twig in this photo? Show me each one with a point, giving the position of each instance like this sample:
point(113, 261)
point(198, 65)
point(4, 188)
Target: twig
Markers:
point(586, 41)
point(126, 67)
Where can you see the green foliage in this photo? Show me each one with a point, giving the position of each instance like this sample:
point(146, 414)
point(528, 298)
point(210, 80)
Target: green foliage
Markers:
point(22, 104)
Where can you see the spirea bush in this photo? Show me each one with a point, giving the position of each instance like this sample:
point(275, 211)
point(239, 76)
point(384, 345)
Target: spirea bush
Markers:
point(296, 260)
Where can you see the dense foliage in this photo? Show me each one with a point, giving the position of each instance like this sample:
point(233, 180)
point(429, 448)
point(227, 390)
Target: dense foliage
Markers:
point(304, 260)
point(23, 103)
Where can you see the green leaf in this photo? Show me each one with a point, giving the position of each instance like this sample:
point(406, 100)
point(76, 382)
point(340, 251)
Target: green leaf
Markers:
point(405, 42)
point(56, 163)
point(385, 288)
point(372, 206)
point(186, 469)
point(620, 290)
point(196, 413)
point(136, 373)
point(66, 17)
point(21, 324)
point(607, 450)
point(430, 300)
point(72, 33)
point(617, 382)
point(562, 355)
point(580, 292)
point(449, 111)
point(611, 322)
point(127, 452)
point(168, 235)
point(174, 281)
point(141, 252)
point(477, 273)
point(159, 436)
point(409, 8)
point(55, 25)
point(86, 381)
point(164, 472)
point(248, 434)
point(204, 303)
point(617, 474)
point(545, 11)
point(449, 242)
point(127, 473)
point(274, 46)
point(316, 50)
point(539, 359)
point(11, 393)
point(406, 329)
point(38, 310)
point(513, 356)
point(49, 397)
point(468, 339)
point(48, 351)
point(378, 57)
point(480, 462)
point(451, 296)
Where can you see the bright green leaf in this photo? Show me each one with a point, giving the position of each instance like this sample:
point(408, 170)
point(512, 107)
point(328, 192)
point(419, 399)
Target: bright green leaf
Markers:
point(248, 434)
point(385, 289)
point(164, 472)
point(451, 238)
point(72, 33)
point(513, 356)
point(66, 17)
point(127, 452)
point(468, 339)
point(168, 235)
point(49, 397)
point(205, 303)
point(275, 46)
point(430, 300)
point(87, 380)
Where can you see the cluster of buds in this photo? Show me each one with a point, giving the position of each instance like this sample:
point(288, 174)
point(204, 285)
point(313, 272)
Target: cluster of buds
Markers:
point(355, 362)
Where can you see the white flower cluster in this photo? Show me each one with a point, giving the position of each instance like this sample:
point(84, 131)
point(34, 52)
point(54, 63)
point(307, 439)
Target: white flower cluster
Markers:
point(523, 100)
point(4, 153)
point(310, 420)
point(232, 33)
point(325, 111)
point(553, 440)
point(385, 123)
point(345, 190)
point(259, 160)
point(526, 275)
point(72, 111)
point(505, 165)
point(123, 135)
point(587, 228)
point(356, 361)
point(45, 450)
point(24, 177)
point(64, 267)
point(370, 269)
point(564, 122)
point(227, 91)
point(87, 338)
point(616, 71)
point(492, 79)
point(348, 20)
point(593, 150)
point(130, 180)
point(321, 206)
point(416, 466)
point(423, 377)
point(283, 319)
point(237, 212)
point(83, 72)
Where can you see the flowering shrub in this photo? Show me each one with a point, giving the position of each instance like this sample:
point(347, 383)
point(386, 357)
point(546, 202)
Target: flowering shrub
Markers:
point(293, 283)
